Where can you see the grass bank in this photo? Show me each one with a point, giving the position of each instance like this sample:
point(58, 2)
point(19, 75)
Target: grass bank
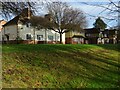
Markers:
point(60, 66)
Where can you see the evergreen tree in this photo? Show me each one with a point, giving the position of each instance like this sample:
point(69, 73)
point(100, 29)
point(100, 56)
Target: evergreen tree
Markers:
point(99, 23)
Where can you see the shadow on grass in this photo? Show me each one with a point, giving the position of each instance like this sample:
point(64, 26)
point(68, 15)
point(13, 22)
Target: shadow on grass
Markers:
point(115, 47)
point(53, 57)
point(94, 72)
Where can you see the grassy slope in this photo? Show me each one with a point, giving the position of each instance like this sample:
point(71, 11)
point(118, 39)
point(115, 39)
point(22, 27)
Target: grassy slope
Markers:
point(60, 66)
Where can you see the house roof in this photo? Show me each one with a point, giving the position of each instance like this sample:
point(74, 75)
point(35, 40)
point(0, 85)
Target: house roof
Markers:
point(12, 21)
point(78, 36)
point(22, 16)
point(92, 30)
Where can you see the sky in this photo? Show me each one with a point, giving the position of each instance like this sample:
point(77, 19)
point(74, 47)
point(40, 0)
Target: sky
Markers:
point(91, 12)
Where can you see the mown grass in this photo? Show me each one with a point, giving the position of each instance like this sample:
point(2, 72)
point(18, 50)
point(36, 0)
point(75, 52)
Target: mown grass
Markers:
point(60, 66)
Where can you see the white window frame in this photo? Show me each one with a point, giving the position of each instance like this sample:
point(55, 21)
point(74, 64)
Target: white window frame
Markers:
point(40, 37)
point(50, 38)
point(28, 38)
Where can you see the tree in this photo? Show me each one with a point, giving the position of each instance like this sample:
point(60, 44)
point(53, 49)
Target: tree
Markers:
point(14, 8)
point(65, 18)
point(113, 7)
point(99, 23)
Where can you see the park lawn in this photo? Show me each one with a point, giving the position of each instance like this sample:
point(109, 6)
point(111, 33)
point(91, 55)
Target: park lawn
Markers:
point(60, 66)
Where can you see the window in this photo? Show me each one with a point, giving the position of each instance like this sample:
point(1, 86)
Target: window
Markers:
point(75, 39)
point(39, 37)
point(58, 37)
point(50, 37)
point(28, 36)
point(88, 35)
point(28, 24)
point(105, 35)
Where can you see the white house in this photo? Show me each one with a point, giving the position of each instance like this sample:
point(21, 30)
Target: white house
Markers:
point(19, 30)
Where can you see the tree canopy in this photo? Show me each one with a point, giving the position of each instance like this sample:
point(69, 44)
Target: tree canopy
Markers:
point(99, 23)
point(65, 18)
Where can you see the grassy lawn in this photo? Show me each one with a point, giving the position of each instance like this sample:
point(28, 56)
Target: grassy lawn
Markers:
point(60, 66)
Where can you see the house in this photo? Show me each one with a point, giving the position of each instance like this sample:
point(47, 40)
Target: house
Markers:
point(18, 30)
point(2, 22)
point(109, 36)
point(97, 36)
point(92, 35)
point(74, 37)
point(113, 36)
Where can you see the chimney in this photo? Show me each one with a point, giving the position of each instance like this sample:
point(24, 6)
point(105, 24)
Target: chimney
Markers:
point(49, 17)
point(26, 13)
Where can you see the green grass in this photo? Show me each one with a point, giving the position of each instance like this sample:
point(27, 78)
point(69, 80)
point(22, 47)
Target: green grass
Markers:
point(60, 66)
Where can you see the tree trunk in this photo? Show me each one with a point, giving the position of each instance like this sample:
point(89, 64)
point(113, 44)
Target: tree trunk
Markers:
point(60, 38)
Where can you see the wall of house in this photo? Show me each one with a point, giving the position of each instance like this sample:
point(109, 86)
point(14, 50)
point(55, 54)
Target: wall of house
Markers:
point(11, 31)
point(72, 33)
point(69, 37)
point(24, 30)
point(68, 34)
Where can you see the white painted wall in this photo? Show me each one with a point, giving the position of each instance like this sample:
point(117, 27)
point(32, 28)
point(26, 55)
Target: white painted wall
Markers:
point(23, 30)
point(11, 30)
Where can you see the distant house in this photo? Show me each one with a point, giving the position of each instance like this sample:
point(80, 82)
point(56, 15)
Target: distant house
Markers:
point(18, 30)
point(74, 37)
point(92, 35)
point(113, 36)
point(97, 36)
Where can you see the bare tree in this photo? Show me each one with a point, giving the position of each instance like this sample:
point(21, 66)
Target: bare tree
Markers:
point(112, 7)
point(14, 8)
point(65, 18)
